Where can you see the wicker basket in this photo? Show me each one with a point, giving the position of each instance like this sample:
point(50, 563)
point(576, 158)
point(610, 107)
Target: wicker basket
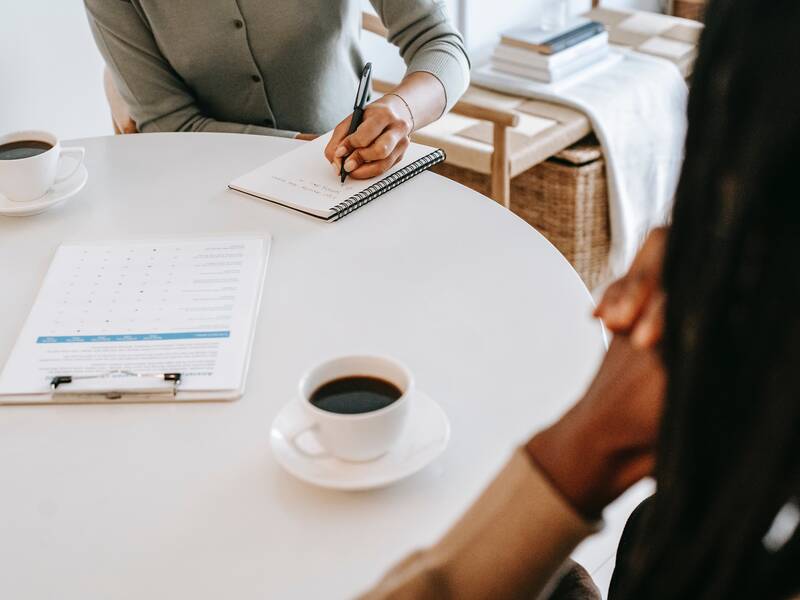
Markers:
point(566, 199)
point(689, 9)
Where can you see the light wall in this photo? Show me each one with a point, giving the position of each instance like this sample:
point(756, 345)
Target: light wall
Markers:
point(50, 69)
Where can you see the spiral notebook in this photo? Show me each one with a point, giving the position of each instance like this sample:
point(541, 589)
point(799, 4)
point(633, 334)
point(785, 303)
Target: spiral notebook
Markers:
point(304, 181)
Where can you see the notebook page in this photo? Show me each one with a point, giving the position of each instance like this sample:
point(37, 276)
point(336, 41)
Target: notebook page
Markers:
point(147, 307)
point(304, 180)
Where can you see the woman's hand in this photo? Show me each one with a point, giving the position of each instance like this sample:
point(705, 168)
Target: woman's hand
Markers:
point(634, 304)
point(378, 143)
point(120, 113)
point(606, 442)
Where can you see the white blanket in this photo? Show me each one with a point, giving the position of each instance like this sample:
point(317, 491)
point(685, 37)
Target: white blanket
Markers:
point(637, 106)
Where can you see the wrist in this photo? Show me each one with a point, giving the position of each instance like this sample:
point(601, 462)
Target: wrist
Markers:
point(401, 109)
point(578, 466)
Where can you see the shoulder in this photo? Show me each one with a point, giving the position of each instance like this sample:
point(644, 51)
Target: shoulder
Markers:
point(108, 6)
point(111, 13)
point(101, 4)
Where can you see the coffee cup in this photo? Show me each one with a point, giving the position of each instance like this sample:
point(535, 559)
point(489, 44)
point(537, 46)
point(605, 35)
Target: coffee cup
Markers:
point(29, 164)
point(355, 406)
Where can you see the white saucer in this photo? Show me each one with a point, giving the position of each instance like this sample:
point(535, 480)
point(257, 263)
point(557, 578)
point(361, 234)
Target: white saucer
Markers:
point(425, 437)
point(54, 196)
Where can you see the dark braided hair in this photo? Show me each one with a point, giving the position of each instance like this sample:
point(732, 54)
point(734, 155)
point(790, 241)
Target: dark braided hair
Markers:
point(729, 452)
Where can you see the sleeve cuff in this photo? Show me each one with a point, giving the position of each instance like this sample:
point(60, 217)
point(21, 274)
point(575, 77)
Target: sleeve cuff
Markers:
point(259, 130)
point(511, 543)
point(523, 468)
point(522, 500)
point(449, 66)
point(517, 535)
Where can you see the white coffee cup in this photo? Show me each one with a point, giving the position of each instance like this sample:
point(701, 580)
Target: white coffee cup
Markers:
point(354, 437)
point(25, 179)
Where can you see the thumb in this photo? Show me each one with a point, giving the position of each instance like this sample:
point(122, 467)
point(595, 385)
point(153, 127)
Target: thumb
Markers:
point(339, 133)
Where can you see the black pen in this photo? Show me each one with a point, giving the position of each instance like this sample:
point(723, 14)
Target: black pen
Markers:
point(358, 107)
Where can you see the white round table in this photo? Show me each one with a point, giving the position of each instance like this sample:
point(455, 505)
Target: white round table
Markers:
point(186, 501)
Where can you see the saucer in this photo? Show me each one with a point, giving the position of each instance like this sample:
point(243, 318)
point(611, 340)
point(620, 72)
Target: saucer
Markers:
point(54, 196)
point(424, 438)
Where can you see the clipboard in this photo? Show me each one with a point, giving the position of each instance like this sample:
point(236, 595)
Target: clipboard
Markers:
point(123, 383)
point(114, 387)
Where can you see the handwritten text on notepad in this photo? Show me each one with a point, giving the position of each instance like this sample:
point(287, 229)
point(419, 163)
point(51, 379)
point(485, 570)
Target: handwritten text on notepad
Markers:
point(320, 189)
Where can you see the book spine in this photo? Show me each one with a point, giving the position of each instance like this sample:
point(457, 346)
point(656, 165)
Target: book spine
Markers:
point(519, 71)
point(562, 42)
point(384, 185)
point(544, 61)
point(553, 73)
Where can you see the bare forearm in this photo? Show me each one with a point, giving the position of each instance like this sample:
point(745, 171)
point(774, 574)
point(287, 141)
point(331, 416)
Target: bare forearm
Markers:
point(422, 95)
point(430, 45)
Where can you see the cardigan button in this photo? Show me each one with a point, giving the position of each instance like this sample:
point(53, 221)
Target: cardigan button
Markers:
point(238, 23)
point(256, 78)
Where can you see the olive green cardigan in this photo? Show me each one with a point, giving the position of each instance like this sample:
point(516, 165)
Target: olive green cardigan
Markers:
point(258, 66)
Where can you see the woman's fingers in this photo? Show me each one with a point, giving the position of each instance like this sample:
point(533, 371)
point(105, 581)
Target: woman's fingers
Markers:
point(367, 132)
point(348, 149)
point(628, 299)
point(372, 148)
point(623, 301)
point(375, 168)
point(373, 126)
point(650, 326)
point(339, 133)
point(382, 148)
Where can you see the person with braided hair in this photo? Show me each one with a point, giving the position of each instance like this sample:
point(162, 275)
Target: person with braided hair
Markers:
point(699, 387)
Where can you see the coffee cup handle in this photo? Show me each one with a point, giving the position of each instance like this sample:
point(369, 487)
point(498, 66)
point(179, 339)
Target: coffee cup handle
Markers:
point(293, 440)
point(77, 153)
point(304, 426)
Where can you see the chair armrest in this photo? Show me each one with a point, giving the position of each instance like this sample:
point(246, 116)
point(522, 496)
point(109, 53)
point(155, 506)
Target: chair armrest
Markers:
point(373, 24)
point(504, 118)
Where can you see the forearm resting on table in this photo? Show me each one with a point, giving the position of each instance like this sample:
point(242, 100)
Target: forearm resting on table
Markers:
point(194, 121)
point(509, 544)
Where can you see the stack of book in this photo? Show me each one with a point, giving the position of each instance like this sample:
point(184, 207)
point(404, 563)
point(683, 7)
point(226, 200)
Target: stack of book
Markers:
point(551, 55)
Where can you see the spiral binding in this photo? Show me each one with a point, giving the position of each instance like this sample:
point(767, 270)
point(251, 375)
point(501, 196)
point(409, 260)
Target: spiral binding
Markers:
point(384, 185)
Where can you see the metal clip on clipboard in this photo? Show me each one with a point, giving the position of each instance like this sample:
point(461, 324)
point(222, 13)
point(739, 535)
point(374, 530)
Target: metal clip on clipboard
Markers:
point(59, 383)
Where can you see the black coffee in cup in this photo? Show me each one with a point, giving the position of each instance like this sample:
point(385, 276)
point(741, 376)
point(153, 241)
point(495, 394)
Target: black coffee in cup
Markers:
point(23, 149)
point(354, 395)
